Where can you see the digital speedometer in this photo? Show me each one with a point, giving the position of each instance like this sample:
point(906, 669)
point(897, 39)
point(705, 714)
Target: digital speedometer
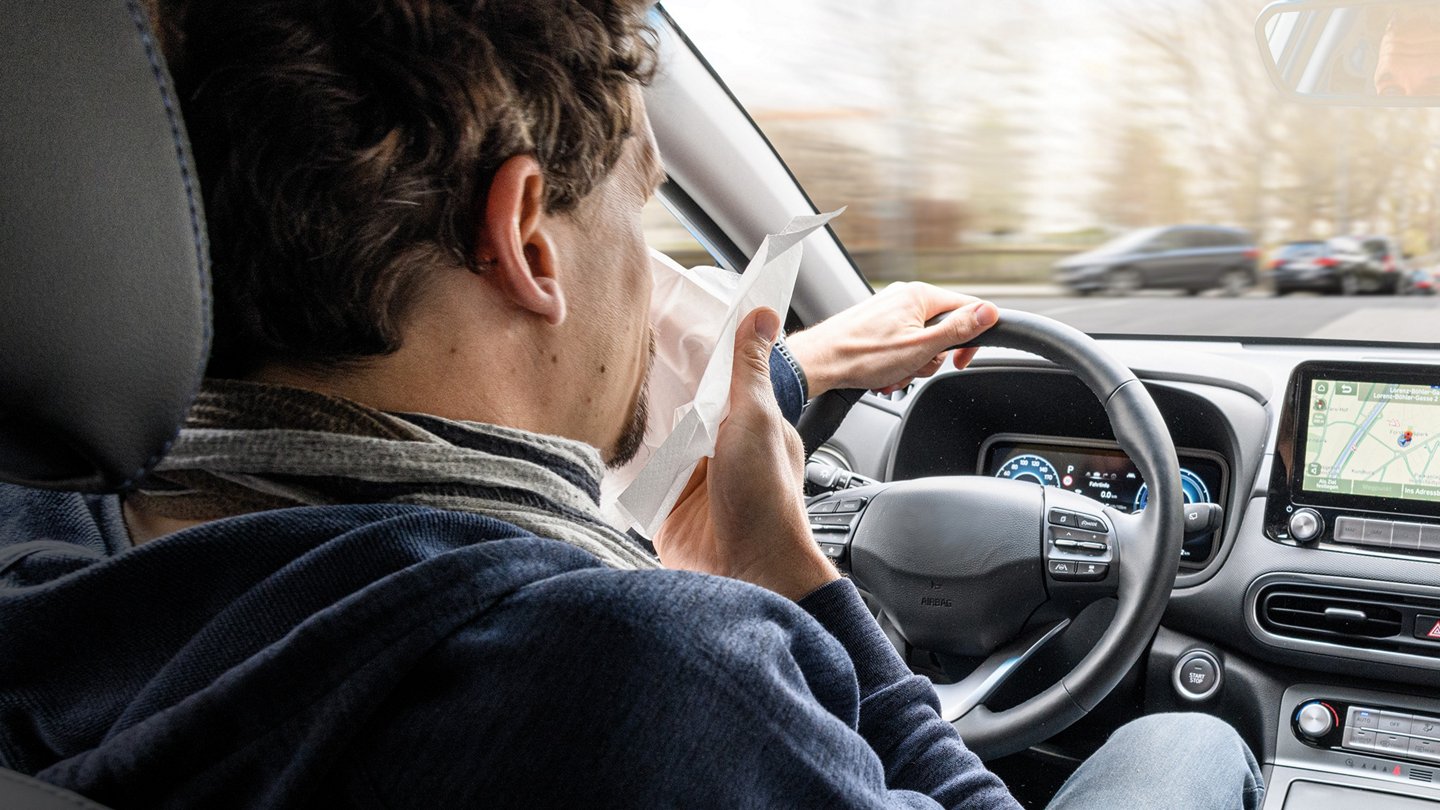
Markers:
point(1030, 467)
point(1191, 486)
point(1103, 473)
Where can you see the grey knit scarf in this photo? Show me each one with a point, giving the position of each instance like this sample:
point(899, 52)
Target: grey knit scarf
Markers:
point(248, 447)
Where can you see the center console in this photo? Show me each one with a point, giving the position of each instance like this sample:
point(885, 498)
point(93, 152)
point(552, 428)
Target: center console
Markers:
point(1347, 748)
point(1356, 472)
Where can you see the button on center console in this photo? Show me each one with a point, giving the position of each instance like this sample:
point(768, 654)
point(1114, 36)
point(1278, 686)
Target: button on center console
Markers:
point(1370, 729)
point(1389, 534)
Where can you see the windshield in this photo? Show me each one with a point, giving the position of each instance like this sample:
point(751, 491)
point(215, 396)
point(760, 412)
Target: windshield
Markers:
point(980, 145)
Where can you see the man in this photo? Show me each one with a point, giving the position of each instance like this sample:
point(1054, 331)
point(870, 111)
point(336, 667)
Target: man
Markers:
point(1406, 61)
point(372, 570)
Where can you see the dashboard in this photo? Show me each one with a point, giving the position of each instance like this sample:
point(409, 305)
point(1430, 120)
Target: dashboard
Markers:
point(1341, 601)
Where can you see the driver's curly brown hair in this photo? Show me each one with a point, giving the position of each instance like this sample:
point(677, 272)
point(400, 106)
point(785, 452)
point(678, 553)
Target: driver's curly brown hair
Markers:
point(345, 147)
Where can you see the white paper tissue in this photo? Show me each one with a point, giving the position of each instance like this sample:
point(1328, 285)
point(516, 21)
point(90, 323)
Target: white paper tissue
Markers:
point(769, 281)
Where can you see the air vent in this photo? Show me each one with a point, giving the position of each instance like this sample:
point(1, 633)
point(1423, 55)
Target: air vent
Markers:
point(1352, 617)
point(1313, 615)
point(1420, 774)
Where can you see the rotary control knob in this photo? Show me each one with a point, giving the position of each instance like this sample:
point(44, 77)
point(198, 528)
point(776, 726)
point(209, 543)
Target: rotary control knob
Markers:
point(1306, 525)
point(1315, 720)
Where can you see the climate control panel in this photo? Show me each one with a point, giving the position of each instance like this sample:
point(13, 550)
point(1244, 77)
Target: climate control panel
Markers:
point(1368, 729)
point(1340, 743)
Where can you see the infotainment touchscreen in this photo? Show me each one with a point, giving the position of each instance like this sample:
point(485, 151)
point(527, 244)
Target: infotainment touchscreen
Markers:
point(1371, 439)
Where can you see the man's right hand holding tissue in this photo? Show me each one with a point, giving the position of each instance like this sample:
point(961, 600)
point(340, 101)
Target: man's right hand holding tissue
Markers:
point(741, 514)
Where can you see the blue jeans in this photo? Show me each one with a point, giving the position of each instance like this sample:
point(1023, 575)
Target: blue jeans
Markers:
point(1193, 761)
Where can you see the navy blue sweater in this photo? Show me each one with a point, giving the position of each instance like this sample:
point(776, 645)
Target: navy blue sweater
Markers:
point(398, 656)
point(394, 656)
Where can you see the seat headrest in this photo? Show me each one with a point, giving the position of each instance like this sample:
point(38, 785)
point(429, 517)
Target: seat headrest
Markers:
point(104, 276)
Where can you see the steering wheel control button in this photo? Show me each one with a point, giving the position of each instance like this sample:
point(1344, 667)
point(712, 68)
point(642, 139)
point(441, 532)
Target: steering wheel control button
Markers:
point(1349, 529)
point(832, 523)
point(824, 507)
point(1067, 544)
point(1077, 570)
point(1060, 517)
point(1088, 545)
point(1306, 525)
point(1315, 720)
point(1062, 533)
point(1090, 524)
point(834, 551)
point(851, 505)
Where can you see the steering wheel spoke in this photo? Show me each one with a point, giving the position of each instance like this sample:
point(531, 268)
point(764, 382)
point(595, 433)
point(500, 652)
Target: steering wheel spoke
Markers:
point(960, 698)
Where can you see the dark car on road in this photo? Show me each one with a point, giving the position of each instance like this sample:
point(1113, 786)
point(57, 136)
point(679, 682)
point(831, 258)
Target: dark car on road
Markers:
point(1176, 257)
point(1344, 265)
point(1394, 265)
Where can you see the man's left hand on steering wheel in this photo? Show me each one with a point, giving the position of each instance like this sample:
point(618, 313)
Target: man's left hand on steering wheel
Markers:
point(883, 343)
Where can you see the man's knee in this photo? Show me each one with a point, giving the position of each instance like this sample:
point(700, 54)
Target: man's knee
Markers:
point(1178, 731)
point(1208, 766)
point(1200, 744)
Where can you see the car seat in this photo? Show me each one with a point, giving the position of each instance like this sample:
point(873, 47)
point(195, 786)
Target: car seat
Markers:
point(104, 311)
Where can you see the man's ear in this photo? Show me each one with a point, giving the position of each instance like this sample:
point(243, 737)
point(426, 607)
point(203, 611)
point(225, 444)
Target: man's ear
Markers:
point(513, 243)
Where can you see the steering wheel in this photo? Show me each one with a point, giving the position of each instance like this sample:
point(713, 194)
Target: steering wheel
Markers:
point(995, 568)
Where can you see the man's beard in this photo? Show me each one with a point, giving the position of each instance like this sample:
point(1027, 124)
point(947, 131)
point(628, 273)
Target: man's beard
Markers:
point(633, 433)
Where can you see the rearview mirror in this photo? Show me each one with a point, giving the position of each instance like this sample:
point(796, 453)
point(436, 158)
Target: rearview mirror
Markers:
point(1382, 53)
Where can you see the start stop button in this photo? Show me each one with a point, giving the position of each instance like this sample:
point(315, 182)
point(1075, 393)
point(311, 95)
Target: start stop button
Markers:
point(1197, 675)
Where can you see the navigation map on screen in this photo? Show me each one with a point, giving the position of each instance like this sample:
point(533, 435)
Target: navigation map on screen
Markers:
point(1373, 439)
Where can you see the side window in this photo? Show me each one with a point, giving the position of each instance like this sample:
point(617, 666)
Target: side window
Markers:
point(1223, 239)
point(666, 234)
point(1344, 245)
point(1169, 240)
point(1201, 239)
